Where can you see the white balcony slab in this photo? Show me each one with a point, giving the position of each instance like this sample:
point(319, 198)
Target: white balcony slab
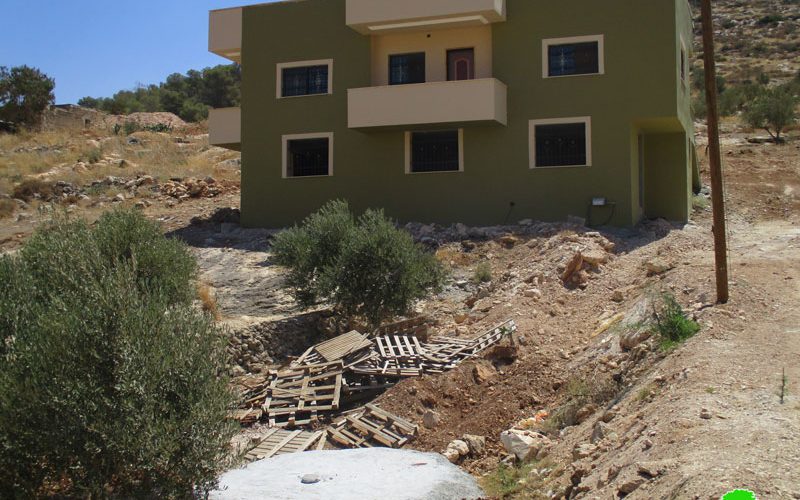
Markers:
point(225, 127)
point(375, 17)
point(225, 33)
point(452, 102)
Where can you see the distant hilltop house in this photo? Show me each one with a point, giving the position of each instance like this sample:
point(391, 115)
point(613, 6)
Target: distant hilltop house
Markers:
point(472, 111)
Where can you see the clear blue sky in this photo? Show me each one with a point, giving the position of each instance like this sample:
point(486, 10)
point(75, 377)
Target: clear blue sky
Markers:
point(97, 47)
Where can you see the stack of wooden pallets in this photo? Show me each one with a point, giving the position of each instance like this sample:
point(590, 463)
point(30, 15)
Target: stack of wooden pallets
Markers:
point(372, 427)
point(297, 396)
point(351, 368)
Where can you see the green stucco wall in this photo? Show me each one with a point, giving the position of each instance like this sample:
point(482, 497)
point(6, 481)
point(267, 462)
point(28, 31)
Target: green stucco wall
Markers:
point(638, 92)
point(667, 186)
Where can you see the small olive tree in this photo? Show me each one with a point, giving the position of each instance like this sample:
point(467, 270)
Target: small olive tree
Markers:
point(111, 382)
point(365, 267)
point(773, 110)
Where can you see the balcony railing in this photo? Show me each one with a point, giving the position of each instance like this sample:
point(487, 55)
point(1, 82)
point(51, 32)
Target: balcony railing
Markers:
point(435, 103)
point(225, 127)
point(375, 17)
point(225, 33)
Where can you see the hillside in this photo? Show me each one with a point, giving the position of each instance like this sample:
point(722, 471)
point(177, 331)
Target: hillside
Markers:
point(755, 36)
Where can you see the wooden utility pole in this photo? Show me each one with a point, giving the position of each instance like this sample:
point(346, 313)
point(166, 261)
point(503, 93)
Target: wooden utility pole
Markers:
point(717, 194)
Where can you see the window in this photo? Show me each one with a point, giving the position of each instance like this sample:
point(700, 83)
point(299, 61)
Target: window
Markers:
point(440, 151)
point(407, 68)
point(563, 142)
point(461, 64)
point(308, 155)
point(573, 56)
point(304, 78)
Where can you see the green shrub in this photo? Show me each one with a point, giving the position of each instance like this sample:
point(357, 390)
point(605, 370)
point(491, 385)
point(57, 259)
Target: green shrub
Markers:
point(770, 19)
point(158, 127)
point(313, 248)
point(130, 127)
point(482, 273)
point(111, 382)
point(671, 323)
point(699, 107)
point(365, 267)
point(94, 155)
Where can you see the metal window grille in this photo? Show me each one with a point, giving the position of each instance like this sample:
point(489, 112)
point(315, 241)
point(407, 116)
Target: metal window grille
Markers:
point(574, 59)
point(306, 80)
point(561, 145)
point(434, 151)
point(307, 157)
point(407, 68)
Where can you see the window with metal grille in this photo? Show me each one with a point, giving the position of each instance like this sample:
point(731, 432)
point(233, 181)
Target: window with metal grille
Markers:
point(574, 59)
point(561, 145)
point(304, 80)
point(307, 157)
point(434, 151)
point(407, 68)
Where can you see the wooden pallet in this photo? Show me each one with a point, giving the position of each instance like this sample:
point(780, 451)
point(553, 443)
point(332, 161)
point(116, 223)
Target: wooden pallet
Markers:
point(452, 350)
point(352, 348)
point(396, 356)
point(281, 442)
point(372, 427)
point(297, 396)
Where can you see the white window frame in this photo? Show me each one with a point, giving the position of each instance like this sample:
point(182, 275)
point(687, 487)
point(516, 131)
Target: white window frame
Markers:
point(601, 56)
point(285, 153)
point(532, 124)
point(460, 152)
point(301, 64)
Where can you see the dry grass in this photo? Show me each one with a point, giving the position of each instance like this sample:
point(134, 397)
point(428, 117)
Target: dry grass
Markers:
point(32, 188)
point(208, 301)
point(53, 155)
point(7, 208)
point(453, 257)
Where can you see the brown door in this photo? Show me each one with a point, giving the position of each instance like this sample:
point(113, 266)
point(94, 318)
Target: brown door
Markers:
point(461, 64)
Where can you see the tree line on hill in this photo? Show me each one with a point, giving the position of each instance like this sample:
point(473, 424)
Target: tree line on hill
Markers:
point(189, 96)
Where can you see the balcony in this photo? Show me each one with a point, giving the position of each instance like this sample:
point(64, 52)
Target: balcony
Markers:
point(376, 17)
point(225, 128)
point(225, 33)
point(436, 103)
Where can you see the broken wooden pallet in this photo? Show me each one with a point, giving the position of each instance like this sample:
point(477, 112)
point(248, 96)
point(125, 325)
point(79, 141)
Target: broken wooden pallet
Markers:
point(452, 350)
point(246, 416)
point(351, 348)
point(280, 442)
point(373, 426)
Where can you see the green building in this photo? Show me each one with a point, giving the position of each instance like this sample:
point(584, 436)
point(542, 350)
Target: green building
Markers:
point(472, 111)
